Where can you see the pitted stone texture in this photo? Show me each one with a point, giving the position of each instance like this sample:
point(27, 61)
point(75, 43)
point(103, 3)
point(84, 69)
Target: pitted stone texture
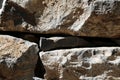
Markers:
point(17, 58)
point(100, 63)
point(99, 18)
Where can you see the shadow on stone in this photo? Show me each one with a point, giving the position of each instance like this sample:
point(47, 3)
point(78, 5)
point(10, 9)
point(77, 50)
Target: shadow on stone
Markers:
point(39, 69)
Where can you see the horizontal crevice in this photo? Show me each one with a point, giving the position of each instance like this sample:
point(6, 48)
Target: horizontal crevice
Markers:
point(67, 43)
point(95, 41)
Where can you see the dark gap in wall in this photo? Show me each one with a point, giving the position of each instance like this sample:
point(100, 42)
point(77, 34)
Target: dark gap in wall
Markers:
point(39, 69)
point(35, 37)
point(18, 33)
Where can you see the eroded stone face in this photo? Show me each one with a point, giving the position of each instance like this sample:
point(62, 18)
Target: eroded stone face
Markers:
point(82, 64)
point(17, 58)
point(76, 17)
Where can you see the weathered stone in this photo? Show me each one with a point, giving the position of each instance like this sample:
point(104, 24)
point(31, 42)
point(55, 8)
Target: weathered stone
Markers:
point(36, 78)
point(99, 18)
point(102, 63)
point(72, 42)
point(17, 58)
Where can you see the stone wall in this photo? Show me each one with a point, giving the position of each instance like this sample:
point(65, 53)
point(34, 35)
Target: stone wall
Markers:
point(59, 40)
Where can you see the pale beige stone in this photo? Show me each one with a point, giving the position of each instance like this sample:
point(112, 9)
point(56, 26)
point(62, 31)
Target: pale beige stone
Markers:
point(17, 58)
point(102, 63)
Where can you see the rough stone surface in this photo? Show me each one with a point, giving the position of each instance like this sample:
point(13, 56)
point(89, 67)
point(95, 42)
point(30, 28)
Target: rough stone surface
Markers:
point(36, 78)
point(17, 58)
point(99, 18)
point(52, 43)
point(102, 63)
